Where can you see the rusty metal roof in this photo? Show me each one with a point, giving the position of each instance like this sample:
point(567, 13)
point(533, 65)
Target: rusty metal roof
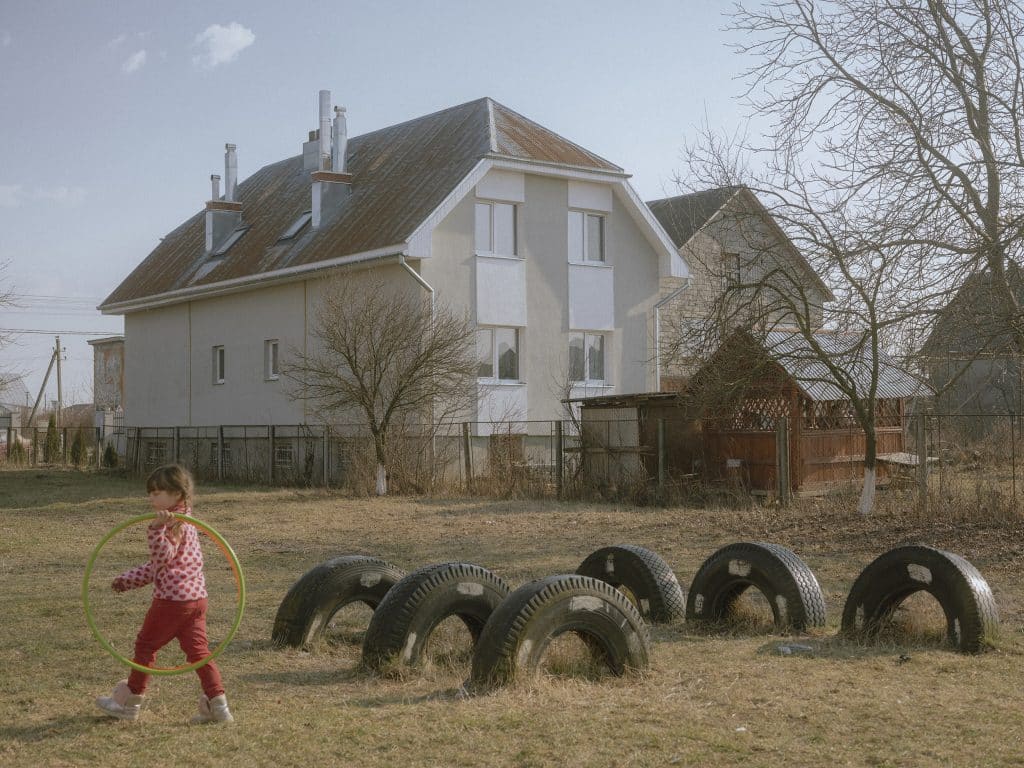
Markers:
point(400, 174)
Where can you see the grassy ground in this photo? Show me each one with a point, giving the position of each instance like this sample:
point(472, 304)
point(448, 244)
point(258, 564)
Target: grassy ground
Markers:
point(710, 698)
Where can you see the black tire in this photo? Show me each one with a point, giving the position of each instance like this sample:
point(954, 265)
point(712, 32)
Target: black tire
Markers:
point(972, 619)
point(404, 620)
point(519, 632)
point(783, 578)
point(643, 576)
point(325, 589)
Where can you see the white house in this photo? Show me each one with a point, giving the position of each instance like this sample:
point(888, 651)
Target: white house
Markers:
point(545, 245)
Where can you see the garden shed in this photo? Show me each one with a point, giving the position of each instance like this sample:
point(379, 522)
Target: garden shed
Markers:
point(770, 407)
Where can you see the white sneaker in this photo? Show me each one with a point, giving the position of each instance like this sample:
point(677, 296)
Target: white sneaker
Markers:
point(213, 710)
point(121, 703)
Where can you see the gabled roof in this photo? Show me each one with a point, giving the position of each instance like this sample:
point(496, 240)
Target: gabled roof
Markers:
point(400, 175)
point(795, 355)
point(684, 216)
point(742, 358)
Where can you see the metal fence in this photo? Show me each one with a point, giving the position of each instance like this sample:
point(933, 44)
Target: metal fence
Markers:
point(972, 457)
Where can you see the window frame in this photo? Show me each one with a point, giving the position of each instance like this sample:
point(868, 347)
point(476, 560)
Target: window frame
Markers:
point(586, 336)
point(583, 235)
point(220, 365)
point(271, 360)
point(495, 362)
point(491, 206)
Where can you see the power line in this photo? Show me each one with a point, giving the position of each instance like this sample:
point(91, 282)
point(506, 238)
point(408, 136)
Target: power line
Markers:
point(59, 333)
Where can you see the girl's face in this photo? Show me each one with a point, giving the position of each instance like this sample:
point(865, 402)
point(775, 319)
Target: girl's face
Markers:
point(160, 500)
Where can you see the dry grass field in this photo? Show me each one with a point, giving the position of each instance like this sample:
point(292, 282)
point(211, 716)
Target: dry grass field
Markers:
point(710, 698)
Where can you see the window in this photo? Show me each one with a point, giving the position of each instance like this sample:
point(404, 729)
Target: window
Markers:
point(271, 368)
point(297, 226)
point(496, 228)
point(218, 365)
point(731, 269)
point(233, 238)
point(498, 350)
point(586, 237)
point(586, 358)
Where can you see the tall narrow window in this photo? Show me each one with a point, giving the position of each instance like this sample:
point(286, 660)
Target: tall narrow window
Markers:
point(586, 358)
point(731, 268)
point(498, 353)
point(218, 365)
point(496, 229)
point(586, 237)
point(271, 365)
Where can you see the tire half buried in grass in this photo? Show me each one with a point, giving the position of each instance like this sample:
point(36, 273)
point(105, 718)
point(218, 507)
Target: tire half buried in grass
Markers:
point(324, 590)
point(788, 585)
point(643, 576)
point(519, 632)
point(972, 619)
point(402, 624)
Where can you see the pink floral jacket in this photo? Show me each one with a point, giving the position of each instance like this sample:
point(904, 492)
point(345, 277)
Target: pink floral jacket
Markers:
point(175, 567)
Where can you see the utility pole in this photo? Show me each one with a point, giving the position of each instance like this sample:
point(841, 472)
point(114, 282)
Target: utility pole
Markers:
point(60, 394)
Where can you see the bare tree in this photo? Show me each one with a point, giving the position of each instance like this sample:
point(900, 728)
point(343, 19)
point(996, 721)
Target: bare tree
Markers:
point(6, 300)
point(387, 358)
point(893, 160)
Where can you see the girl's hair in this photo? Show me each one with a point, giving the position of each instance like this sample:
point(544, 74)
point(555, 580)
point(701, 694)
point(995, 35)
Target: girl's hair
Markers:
point(174, 478)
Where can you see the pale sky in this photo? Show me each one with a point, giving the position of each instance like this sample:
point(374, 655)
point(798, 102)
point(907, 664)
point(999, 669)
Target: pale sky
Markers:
point(114, 114)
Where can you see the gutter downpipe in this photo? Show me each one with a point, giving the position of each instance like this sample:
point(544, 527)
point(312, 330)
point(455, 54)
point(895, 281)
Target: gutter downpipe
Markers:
point(687, 282)
point(419, 279)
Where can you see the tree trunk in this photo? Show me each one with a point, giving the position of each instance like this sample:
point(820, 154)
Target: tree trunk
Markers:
point(867, 494)
point(382, 480)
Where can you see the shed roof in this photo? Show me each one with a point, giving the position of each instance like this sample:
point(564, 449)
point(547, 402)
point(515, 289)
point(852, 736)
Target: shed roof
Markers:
point(400, 175)
point(797, 357)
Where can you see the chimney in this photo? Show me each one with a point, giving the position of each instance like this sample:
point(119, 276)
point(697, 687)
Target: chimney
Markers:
point(339, 141)
point(230, 172)
point(325, 131)
point(331, 183)
point(223, 216)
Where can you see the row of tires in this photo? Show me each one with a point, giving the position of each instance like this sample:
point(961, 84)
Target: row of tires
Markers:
point(609, 601)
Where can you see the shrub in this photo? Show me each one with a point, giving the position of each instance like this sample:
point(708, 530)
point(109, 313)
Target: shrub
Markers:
point(110, 456)
point(51, 447)
point(79, 453)
point(16, 453)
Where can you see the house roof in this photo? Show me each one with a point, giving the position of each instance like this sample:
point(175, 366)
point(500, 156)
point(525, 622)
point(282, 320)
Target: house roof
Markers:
point(796, 356)
point(684, 215)
point(400, 175)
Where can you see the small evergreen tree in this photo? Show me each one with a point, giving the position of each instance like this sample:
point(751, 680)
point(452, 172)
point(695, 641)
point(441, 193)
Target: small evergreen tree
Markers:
point(79, 452)
point(16, 453)
point(51, 448)
point(110, 456)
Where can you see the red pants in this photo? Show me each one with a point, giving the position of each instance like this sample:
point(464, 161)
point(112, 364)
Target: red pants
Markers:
point(165, 621)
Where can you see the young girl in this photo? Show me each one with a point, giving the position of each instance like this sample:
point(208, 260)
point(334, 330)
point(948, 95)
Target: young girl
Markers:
point(175, 568)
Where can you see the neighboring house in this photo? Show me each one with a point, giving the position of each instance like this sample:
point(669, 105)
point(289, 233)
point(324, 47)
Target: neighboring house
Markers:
point(970, 357)
point(543, 244)
point(108, 372)
point(731, 243)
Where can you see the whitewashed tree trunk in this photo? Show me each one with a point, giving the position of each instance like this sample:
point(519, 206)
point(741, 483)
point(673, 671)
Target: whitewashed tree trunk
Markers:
point(382, 480)
point(867, 494)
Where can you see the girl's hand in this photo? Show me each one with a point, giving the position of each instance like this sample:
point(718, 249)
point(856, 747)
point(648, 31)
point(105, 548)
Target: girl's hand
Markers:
point(165, 516)
point(119, 585)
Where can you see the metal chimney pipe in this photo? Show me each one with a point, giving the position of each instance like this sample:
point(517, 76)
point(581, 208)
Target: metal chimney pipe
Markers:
point(214, 186)
point(339, 142)
point(230, 172)
point(325, 129)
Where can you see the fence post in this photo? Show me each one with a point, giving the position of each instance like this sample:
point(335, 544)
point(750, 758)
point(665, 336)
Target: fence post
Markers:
point(220, 453)
point(270, 456)
point(661, 455)
point(782, 467)
point(63, 446)
point(327, 455)
point(467, 456)
point(559, 459)
point(99, 446)
point(922, 463)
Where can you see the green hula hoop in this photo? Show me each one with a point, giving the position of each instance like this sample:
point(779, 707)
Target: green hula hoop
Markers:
point(236, 567)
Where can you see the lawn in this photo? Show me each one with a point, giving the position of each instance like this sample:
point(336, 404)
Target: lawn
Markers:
point(710, 698)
